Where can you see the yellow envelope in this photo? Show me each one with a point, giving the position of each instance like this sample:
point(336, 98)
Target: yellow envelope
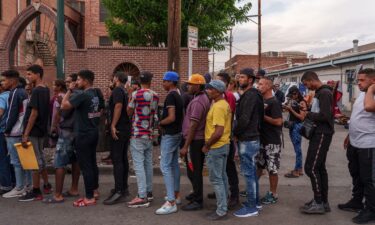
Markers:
point(27, 156)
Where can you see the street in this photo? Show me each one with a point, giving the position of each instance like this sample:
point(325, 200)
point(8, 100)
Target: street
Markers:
point(292, 194)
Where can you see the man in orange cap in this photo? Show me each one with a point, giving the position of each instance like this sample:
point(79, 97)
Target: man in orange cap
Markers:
point(193, 132)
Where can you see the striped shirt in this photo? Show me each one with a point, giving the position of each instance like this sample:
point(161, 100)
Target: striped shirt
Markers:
point(145, 104)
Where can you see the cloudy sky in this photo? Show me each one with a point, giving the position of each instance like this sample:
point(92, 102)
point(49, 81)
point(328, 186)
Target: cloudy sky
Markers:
point(318, 27)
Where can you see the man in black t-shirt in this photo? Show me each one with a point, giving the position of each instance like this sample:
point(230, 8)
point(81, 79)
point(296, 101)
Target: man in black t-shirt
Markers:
point(88, 105)
point(120, 132)
point(270, 138)
point(35, 125)
point(171, 124)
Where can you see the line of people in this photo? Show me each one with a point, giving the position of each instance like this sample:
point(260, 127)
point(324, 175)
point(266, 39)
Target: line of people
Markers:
point(214, 127)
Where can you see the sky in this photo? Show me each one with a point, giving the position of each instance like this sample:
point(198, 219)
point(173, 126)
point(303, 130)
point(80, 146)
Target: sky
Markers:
point(318, 27)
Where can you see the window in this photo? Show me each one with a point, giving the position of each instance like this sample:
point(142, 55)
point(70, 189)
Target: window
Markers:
point(103, 14)
point(1, 9)
point(105, 41)
point(28, 2)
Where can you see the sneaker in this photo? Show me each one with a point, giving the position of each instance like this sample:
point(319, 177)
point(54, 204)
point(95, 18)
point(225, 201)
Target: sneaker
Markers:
point(47, 189)
point(166, 209)
point(246, 212)
point(138, 203)
point(28, 197)
point(269, 198)
point(177, 200)
point(351, 206)
point(14, 193)
point(258, 206)
point(243, 193)
point(150, 197)
point(327, 207)
point(364, 216)
point(313, 208)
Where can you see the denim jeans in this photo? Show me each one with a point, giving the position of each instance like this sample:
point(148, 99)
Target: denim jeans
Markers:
point(6, 170)
point(296, 139)
point(141, 150)
point(247, 152)
point(169, 148)
point(23, 177)
point(216, 163)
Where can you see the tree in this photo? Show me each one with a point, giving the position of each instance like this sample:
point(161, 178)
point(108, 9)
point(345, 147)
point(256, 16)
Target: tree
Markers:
point(145, 22)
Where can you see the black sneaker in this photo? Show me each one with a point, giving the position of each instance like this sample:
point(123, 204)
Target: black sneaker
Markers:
point(313, 208)
point(28, 197)
point(150, 197)
point(327, 207)
point(211, 195)
point(351, 206)
point(364, 216)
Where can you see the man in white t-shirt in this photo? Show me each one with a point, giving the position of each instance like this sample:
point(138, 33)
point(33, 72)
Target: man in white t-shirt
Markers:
point(361, 154)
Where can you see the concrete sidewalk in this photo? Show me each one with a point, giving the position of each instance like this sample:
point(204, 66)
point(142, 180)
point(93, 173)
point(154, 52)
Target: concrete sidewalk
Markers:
point(292, 194)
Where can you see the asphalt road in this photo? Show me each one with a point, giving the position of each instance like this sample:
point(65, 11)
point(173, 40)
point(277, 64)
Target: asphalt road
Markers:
point(292, 194)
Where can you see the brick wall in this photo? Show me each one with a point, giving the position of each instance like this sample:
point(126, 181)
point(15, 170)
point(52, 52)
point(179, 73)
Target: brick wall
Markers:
point(93, 27)
point(104, 60)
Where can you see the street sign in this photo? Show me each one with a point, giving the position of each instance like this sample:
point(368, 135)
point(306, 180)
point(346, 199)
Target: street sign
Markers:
point(192, 37)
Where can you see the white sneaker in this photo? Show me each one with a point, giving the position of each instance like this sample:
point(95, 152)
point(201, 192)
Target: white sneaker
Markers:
point(167, 208)
point(177, 200)
point(14, 193)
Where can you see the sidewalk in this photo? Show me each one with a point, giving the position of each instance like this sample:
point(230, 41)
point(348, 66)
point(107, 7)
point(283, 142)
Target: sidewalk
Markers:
point(292, 194)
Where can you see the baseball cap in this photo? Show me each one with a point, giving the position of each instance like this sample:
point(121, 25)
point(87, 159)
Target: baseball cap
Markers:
point(196, 79)
point(218, 85)
point(145, 76)
point(171, 76)
point(248, 72)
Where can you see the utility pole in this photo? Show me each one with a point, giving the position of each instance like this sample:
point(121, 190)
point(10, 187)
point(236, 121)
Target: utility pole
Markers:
point(259, 34)
point(174, 34)
point(60, 40)
point(213, 63)
point(230, 43)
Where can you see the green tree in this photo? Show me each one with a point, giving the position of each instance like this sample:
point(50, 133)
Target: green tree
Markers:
point(145, 22)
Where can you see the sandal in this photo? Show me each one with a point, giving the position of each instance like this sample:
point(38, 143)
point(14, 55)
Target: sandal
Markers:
point(52, 200)
point(292, 174)
point(82, 203)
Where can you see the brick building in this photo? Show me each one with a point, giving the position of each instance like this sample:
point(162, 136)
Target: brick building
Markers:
point(269, 62)
point(28, 35)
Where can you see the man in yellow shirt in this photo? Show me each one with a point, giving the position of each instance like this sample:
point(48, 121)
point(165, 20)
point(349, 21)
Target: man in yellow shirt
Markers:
point(217, 138)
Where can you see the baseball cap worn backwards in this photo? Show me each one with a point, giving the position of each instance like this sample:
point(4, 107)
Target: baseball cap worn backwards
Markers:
point(217, 84)
point(171, 76)
point(196, 79)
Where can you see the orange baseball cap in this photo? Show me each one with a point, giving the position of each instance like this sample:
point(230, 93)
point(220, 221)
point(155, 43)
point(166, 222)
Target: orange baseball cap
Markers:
point(196, 79)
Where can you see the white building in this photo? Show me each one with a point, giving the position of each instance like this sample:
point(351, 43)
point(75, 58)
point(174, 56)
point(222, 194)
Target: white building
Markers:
point(340, 67)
